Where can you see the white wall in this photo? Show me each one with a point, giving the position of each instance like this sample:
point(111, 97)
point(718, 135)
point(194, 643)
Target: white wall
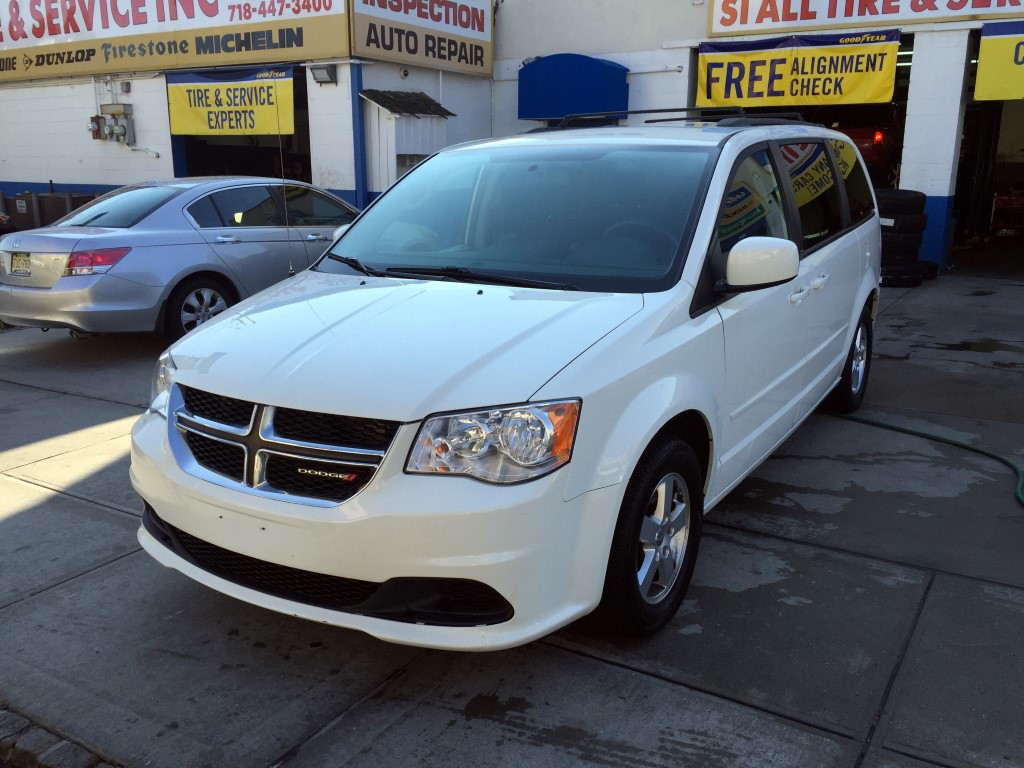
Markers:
point(525, 28)
point(467, 96)
point(658, 79)
point(330, 132)
point(653, 39)
point(43, 135)
point(935, 112)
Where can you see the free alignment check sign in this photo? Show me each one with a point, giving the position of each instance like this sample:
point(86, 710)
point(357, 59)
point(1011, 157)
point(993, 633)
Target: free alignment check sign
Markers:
point(807, 69)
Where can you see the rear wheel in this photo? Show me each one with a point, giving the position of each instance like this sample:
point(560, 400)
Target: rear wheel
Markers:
point(192, 303)
point(656, 540)
point(849, 392)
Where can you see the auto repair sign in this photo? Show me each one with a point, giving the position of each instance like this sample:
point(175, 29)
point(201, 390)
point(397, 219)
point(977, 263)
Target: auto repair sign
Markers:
point(453, 35)
point(50, 38)
point(808, 69)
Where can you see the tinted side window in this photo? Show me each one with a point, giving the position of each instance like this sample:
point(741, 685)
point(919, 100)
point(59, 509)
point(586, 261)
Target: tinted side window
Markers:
point(205, 213)
point(815, 191)
point(309, 208)
point(858, 190)
point(246, 207)
point(753, 205)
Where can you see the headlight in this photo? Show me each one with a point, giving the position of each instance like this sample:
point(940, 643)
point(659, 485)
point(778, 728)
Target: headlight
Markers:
point(498, 445)
point(163, 378)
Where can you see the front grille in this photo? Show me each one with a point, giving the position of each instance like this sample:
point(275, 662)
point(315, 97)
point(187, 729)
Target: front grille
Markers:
point(227, 459)
point(314, 457)
point(441, 602)
point(329, 429)
point(331, 481)
point(226, 410)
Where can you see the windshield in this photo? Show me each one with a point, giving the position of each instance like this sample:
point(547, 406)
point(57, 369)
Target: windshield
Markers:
point(602, 218)
point(121, 208)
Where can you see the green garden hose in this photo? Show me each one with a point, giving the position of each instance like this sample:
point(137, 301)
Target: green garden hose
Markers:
point(1001, 459)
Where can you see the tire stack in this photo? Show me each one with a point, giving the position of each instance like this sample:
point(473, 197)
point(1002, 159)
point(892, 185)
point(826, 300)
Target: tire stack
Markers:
point(903, 221)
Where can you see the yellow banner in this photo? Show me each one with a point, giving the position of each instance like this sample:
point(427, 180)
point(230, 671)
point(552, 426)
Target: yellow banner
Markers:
point(793, 71)
point(229, 34)
point(251, 103)
point(1000, 62)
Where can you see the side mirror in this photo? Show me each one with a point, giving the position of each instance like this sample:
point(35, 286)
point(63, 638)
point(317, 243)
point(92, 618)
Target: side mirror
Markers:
point(340, 231)
point(760, 262)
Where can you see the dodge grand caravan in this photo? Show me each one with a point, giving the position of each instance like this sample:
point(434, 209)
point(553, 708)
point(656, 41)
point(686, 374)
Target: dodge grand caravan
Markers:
point(505, 397)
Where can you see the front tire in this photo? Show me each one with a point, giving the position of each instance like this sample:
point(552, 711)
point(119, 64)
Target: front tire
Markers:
point(192, 303)
point(849, 392)
point(656, 540)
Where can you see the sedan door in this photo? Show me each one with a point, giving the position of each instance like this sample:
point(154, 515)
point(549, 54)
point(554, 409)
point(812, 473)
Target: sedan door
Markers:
point(315, 216)
point(245, 227)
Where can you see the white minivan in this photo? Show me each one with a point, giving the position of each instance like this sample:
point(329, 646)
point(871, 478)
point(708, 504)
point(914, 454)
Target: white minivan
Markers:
point(506, 396)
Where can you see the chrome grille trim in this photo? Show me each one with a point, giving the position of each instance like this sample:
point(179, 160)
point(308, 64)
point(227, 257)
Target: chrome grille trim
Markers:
point(269, 435)
point(259, 442)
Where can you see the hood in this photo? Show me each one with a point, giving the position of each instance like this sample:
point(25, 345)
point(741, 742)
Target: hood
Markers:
point(394, 349)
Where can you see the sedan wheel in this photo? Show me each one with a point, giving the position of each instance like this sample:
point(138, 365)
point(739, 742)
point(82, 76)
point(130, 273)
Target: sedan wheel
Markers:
point(193, 303)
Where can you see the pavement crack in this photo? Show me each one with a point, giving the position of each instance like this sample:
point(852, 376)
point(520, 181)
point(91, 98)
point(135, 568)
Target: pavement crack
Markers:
point(396, 674)
point(873, 729)
point(66, 579)
point(579, 650)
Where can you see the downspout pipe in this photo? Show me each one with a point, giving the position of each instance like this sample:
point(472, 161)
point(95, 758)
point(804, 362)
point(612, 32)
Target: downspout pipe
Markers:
point(359, 135)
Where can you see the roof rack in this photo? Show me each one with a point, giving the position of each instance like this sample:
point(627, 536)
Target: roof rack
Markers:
point(725, 116)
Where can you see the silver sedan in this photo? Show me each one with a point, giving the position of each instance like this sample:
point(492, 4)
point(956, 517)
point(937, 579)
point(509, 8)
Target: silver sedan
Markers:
point(164, 256)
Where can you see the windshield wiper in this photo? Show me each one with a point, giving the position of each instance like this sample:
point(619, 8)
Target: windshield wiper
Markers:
point(465, 274)
point(357, 265)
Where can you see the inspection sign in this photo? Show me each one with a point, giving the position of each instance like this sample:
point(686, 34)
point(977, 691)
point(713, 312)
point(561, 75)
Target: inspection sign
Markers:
point(239, 103)
point(1000, 62)
point(858, 68)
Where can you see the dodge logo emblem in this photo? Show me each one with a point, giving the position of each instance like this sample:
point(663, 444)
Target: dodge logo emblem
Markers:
point(347, 477)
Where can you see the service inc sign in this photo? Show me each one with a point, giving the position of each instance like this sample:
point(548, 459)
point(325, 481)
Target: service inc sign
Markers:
point(746, 17)
point(452, 35)
point(50, 38)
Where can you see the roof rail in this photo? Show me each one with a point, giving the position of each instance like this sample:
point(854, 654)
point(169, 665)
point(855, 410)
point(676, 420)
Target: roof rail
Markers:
point(725, 116)
point(705, 113)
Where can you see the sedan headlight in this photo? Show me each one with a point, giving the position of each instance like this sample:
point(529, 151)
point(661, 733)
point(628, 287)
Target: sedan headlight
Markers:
point(498, 445)
point(163, 378)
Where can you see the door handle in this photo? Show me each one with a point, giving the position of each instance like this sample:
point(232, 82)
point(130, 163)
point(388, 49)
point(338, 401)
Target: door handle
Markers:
point(819, 282)
point(316, 238)
point(227, 239)
point(798, 296)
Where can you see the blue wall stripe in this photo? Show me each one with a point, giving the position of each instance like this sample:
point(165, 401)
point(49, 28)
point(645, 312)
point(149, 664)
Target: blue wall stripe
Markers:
point(937, 241)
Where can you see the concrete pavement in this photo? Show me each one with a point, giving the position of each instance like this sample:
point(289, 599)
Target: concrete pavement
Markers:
point(859, 601)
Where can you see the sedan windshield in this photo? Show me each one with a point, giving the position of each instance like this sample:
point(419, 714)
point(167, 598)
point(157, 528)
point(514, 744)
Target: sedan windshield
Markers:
point(607, 218)
point(121, 208)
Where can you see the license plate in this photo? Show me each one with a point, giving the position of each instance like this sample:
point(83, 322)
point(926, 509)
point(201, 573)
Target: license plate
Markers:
point(21, 264)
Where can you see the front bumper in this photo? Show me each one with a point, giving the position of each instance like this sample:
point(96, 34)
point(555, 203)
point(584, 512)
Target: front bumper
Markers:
point(92, 303)
point(543, 555)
